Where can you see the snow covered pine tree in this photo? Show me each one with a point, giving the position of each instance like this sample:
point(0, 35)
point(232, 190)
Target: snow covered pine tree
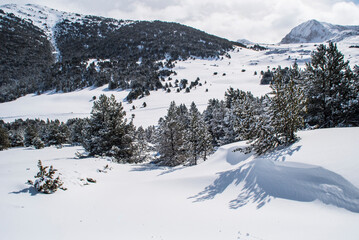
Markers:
point(198, 140)
point(107, 132)
point(331, 89)
point(170, 139)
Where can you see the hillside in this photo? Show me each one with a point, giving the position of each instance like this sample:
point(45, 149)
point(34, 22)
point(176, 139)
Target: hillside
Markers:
point(314, 31)
point(238, 71)
point(83, 51)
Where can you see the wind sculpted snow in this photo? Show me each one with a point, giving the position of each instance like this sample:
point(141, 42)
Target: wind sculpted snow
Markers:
point(144, 201)
point(270, 176)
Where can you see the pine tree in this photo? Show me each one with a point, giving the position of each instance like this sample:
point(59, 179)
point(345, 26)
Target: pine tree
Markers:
point(17, 138)
point(231, 95)
point(141, 143)
point(4, 139)
point(352, 109)
point(38, 143)
point(30, 134)
point(193, 137)
point(330, 88)
point(214, 117)
point(107, 132)
point(287, 105)
point(244, 111)
point(55, 133)
point(263, 137)
point(170, 139)
point(76, 127)
point(206, 144)
point(230, 134)
point(45, 181)
point(282, 114)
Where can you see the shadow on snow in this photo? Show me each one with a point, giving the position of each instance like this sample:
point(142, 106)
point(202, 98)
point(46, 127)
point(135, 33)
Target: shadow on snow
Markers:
point(30, 190)
point(263, 179)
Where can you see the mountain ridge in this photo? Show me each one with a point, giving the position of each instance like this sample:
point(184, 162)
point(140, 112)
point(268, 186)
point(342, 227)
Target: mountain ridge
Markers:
point(132, 50)
point(314, 31)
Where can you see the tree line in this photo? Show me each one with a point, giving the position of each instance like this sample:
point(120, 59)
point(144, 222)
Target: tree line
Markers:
point(324, 94)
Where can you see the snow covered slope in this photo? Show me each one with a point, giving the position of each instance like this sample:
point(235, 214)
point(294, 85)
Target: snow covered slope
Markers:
point(314, 31)
point(46, 19)
point(216, 75)
point(237, 72)
point(307, 191)
point(42, 17)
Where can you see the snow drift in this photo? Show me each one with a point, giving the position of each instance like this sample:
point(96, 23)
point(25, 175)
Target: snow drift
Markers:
point(265, 178)
point(306, 191)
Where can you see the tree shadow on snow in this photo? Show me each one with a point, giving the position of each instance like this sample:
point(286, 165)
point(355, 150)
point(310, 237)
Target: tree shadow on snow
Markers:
point(263, 179)
point(147, 167)
point(30, 190)
point(153, 167)
point(171, 170)
point(281, 154)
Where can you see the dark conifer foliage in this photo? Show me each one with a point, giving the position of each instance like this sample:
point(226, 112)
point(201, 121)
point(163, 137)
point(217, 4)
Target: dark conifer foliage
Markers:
point(4, 139)
point(331, 89)
point(55, 133)
point(325, 94)
point(38, 133)
point(287, 104)
point(171, 136)
point(94, 51)
point(198, 140)
point(108, 133)
point(45, 180)
point(183, 136)
point(25, 58)
point(215, 116)
point(103, 38)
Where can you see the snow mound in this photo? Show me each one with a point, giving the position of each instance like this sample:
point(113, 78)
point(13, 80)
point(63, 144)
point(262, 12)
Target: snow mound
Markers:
point(260, 179)
point(264, 178)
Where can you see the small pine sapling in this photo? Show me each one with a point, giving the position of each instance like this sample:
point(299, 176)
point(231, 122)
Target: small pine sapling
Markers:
point(45, 181)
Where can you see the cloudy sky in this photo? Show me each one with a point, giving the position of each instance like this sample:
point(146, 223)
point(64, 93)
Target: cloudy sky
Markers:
point(256, 20)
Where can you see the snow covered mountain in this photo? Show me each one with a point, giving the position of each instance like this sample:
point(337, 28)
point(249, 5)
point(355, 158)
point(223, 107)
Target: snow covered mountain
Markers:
point(308, 190)
point(127, 53)
point(314, 31)
point(40, 16)
point(245, 41)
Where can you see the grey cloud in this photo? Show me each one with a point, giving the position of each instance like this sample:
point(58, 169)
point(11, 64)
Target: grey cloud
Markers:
point(256, 20)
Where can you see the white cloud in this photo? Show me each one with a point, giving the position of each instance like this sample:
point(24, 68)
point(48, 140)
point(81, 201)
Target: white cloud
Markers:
point(256, 20)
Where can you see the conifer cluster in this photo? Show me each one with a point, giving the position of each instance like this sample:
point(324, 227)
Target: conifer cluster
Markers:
point(324, 94)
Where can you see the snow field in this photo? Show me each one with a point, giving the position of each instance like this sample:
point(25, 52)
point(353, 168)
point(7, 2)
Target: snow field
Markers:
point(236, 72)
point(64, 106)
point(148, 202)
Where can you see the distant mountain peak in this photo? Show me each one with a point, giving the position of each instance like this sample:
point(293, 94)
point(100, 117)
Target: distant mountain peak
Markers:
point(245, 41)
point(314, 31)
